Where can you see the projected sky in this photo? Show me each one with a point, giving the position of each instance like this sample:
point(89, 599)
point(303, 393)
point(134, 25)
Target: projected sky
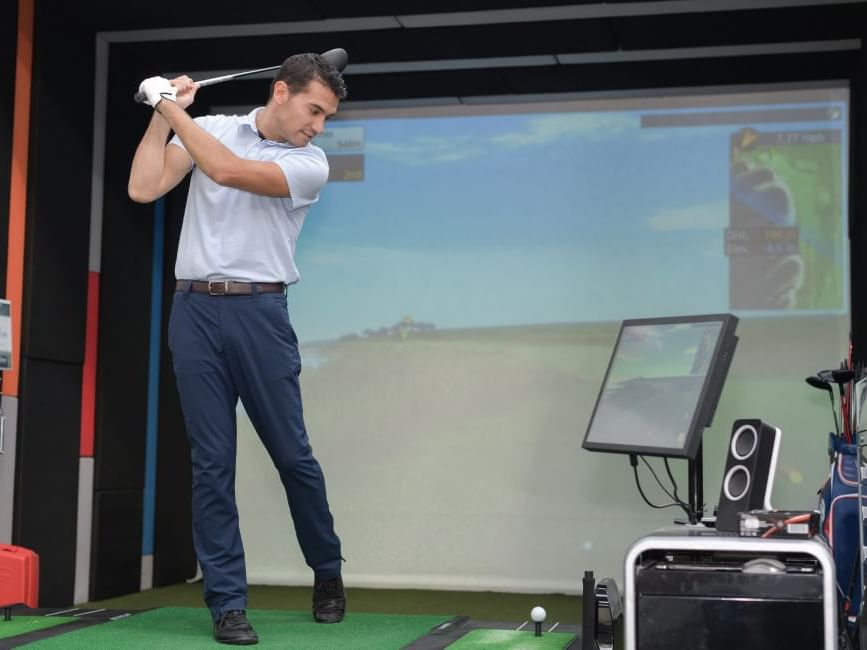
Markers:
point(535, 217)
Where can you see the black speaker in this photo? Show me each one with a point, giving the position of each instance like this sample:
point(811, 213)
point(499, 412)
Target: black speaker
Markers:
point(749, 471)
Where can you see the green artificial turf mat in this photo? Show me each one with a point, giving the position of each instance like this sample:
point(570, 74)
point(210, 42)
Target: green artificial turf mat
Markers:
point(478, 605)
point(26, 624)
point(189, 629)
point(512, 640)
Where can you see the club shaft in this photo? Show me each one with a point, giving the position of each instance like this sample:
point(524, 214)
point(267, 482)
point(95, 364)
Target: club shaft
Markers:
point(140, 96)
point(336, 57)
point(229, 77)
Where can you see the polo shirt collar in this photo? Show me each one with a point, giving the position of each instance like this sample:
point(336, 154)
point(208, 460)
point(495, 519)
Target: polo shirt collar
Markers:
point(249, 121)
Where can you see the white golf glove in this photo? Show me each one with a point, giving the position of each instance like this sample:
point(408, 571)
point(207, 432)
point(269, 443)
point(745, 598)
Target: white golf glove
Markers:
point(157, 89)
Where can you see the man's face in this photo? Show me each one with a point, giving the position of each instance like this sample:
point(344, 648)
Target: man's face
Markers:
point(301, 116)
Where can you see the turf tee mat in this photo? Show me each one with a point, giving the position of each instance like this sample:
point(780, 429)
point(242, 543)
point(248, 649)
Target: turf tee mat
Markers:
point(512, 640)
point(465, 633)
point(191, 628)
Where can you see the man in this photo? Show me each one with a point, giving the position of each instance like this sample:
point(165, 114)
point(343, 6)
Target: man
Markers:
point(254, 178)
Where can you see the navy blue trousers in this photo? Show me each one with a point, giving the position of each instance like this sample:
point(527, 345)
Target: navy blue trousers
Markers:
point(223, 348)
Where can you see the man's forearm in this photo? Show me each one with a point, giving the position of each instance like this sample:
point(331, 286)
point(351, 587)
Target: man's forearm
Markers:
point(206, 151)
point(148, 163)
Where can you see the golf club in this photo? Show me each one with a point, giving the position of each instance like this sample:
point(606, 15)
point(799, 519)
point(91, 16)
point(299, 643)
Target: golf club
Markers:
point(337, 57)
point(824, 384)
point(843, 378)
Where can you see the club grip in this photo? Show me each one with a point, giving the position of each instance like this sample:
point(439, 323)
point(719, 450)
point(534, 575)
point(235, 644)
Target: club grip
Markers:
point(139, 97)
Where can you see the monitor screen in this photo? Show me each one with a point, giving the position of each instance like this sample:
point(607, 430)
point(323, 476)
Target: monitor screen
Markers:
point(662, 385)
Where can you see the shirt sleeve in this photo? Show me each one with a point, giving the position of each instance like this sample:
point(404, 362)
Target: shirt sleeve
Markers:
point(306, 171)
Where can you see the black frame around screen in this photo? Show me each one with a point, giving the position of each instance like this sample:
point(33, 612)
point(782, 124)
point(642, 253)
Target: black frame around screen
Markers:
point(708, 397)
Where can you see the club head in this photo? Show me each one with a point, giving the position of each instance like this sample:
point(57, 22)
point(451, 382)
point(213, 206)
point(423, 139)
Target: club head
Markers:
point(821, 384)
point(337, 57)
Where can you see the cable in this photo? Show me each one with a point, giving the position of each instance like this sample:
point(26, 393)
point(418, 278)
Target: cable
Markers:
point(633, 460)
point(658, 482)
point(641, 492)
point(673, 482)
point(781, 525)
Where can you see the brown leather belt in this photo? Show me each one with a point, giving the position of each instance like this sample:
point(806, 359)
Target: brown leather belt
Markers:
point(229, 287)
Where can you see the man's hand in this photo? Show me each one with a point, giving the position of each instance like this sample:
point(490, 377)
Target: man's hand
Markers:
point(186, 90)
point(157, 89)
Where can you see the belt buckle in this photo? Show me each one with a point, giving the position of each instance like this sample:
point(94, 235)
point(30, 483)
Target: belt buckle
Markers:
point(219, 284)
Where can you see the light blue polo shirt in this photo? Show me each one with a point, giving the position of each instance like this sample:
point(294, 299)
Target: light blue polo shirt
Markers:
point(230, 234)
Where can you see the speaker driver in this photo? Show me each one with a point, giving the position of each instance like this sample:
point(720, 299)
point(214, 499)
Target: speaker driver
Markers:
point(744, 442)
point(736, 483)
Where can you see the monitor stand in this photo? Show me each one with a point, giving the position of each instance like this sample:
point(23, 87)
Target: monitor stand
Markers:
point(696, 492)
point(695, 506)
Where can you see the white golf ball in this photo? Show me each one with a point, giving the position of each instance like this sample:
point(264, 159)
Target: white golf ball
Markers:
point(538, 614)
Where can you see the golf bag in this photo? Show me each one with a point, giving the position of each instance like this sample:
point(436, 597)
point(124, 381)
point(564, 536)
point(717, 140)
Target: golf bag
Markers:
point(840, 518)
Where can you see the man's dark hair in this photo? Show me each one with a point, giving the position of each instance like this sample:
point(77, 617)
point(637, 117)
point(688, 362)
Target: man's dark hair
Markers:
point(299, 70)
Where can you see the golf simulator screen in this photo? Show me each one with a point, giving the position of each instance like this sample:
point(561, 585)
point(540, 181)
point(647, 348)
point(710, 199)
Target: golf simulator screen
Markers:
point(464, 277)
point(662, 385)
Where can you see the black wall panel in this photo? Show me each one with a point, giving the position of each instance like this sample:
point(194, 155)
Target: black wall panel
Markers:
point(53, 313)
point(703, 29)
point(347, 8)
point(46, 495)
point(116, 544)
point(100, 15)
point(125, 294)
point(8, 44)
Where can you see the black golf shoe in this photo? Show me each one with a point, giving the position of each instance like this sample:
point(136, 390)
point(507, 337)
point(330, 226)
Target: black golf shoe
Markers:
point(234, 628)
point(329, 600)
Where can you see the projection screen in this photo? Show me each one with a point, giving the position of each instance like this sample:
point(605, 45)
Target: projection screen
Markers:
point(464, 275)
